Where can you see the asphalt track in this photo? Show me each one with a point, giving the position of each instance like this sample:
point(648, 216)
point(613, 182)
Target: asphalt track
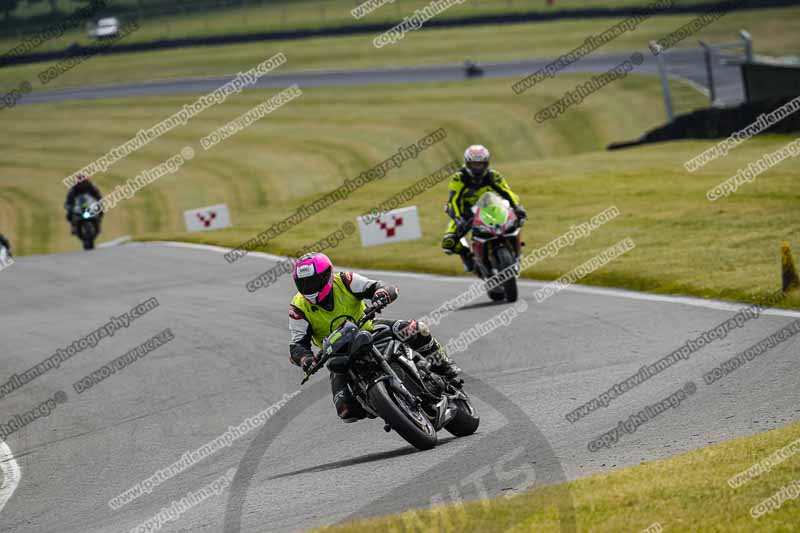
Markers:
point(687, 64)
point(305, 468)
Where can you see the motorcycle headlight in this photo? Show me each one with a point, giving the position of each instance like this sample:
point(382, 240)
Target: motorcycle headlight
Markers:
point(86, 214)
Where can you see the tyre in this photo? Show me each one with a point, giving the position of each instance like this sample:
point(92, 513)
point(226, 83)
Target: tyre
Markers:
point(466, 421)
point(87, 234)
point(497, 294)
point(505, 259)
point(408, 422)
point(407, 380)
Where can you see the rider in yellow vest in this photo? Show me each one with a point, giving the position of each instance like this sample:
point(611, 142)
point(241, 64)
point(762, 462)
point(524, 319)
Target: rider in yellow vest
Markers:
point(322, 296)
point(466, 187)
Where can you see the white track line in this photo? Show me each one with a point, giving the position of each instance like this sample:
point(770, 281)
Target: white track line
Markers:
point(11, 474)
point(115, 242)
point(719, 305)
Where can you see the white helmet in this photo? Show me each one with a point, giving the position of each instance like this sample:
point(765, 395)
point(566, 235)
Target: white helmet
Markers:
point(476, 161)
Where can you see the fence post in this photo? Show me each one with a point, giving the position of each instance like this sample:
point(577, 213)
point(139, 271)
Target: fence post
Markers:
point(748, 45)
point(710, 71)
point(662, 71)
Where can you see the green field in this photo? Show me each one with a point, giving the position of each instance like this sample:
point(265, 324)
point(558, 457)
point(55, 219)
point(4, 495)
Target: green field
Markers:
point(774, 31)
point(684, 243)
point(688, 492)
point(203, 19)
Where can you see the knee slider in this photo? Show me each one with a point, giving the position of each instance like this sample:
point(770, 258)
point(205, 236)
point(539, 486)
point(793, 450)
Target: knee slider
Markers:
point(449, 242)
point(404, 329)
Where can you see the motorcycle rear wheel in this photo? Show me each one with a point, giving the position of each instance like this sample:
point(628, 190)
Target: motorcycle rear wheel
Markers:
point(466, 421)
point(497, 294)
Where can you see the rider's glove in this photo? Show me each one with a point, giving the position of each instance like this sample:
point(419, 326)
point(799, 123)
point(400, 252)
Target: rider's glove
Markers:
point(464, 224)
point(382, 297)
point(522, 215)
point(307, 362)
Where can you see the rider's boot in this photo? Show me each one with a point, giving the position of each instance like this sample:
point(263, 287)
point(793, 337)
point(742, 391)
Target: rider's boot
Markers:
point(347, 407)
point(468, 260)
point(436, 355)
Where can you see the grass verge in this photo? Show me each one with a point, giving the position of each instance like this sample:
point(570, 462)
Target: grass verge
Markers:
point(290, 15)
point(685, 244)
point(773, 30)
point(688, 492)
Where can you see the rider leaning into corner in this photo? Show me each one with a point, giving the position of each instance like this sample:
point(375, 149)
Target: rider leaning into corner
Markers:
point(322, 296)
point(82, 186)
point(466, 187)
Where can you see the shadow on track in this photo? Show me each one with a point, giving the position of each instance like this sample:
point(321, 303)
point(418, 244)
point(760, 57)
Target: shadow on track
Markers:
point(369, 458)
point(480, 305)
point(519, 439)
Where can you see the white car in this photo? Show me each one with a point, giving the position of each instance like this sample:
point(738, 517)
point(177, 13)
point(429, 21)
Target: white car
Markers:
point(105, 28)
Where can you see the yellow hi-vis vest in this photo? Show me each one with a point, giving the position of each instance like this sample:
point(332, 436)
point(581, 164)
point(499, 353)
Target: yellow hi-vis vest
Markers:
point(344, 303)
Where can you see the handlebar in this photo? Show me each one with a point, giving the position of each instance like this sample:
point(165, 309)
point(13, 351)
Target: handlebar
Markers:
point(369, 314)
point(313, 370)
point(463, 225)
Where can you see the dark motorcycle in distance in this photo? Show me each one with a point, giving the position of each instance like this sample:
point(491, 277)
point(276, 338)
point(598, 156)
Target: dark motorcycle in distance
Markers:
point(496, 244)
point(387, 382)
point(471, 70)
point(6, 259)
point(84, 220)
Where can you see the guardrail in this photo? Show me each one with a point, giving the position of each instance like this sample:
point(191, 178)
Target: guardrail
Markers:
point(711, 53)
point(745, 43)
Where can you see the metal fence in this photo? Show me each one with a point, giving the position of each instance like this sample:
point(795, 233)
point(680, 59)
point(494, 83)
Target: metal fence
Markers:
point(721, 82)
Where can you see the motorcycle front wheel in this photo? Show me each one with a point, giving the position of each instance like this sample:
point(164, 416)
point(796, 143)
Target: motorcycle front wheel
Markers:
point(505, 259)
point(87, 233)
point(408, 421)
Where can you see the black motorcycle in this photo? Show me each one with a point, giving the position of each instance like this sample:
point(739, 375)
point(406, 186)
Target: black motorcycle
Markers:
point(387, 382)
point(496, 244)
point(471, 70)
point(6, 259)
point(85, 221)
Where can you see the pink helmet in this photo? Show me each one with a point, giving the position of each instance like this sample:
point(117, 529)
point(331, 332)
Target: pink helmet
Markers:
point(313, 276)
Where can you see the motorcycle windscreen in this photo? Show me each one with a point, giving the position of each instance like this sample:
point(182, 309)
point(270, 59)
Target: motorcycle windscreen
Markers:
point(493, 210)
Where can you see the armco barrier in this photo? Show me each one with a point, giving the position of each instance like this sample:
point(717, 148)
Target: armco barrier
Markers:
point(716, 123)
point(764, 81)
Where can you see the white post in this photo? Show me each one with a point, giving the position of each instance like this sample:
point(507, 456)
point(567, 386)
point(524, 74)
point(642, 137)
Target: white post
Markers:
point(662, 70)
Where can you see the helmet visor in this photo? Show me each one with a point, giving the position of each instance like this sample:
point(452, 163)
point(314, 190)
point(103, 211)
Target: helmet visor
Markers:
point(313, 283)
point(477, 168)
